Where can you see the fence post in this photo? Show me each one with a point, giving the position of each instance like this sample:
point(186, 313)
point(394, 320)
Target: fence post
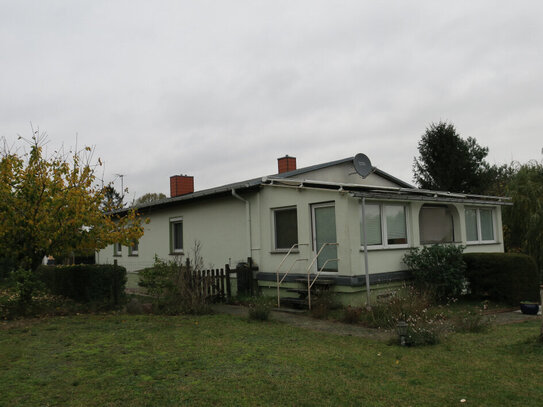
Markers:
point(228, 287)
point(221, 282)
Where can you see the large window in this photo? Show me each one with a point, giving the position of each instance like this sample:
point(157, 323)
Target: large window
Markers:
point(436, 225)
point(176, 235)
point(480, 225)
point(285, 228)
point(385, 224)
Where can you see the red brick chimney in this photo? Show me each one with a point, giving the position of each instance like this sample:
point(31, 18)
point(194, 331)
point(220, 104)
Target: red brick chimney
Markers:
point(286, 164)
point(181, 185)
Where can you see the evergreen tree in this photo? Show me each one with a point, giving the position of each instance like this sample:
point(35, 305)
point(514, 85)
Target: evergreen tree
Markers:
point(447, 162)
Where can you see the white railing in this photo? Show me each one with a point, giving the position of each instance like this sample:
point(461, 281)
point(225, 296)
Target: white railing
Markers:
point(311, 283)
point(279, 282)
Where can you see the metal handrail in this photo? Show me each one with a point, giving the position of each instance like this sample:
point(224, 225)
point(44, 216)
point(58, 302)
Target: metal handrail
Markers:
point(310, 284)
point(278, 282)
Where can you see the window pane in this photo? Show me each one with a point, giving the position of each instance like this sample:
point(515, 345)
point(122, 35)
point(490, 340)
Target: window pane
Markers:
point(373, 225)
point(487, 225)
point(435, 225)
point(396, 229)
point(286, 228)
point(472, 234)
point(134, 247)
point(178, 236)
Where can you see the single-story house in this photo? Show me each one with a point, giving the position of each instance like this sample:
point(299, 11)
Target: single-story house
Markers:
point(360, 219)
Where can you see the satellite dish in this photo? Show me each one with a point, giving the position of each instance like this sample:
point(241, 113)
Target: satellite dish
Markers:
point(362, 165)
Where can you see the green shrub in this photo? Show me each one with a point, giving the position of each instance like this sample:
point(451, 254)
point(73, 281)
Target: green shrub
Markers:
point(470, 322)
point(85, 283)
point(424, 334)
point(260, 310)
point(439, 268)
point(507, 277)
point(26, 284)
point(6, 267)
point(174, 288)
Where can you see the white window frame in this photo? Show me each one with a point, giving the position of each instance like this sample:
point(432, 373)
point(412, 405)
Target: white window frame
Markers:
point(174, 221)
point(479, 230)
point(274, 230)
point(132, 251)
point(384, 237)
point(117, 249)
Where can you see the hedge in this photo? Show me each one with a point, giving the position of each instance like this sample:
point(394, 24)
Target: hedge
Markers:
point(103, 283)
point(508, 277)
point(7, 265)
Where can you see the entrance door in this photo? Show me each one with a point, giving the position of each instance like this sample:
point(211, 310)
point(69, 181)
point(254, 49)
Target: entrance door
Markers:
point(324, 231)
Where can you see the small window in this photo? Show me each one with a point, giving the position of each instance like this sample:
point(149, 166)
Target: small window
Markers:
point(117, 249)
point(133, 248)
point(480, 225)
point(386, 225)
point(176, 235)
point(285, 228)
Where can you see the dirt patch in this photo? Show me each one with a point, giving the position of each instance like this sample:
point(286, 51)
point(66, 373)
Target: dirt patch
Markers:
point(502, 317)
point(303, 321)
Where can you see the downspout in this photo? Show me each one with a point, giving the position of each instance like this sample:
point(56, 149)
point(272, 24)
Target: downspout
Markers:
point(248, 215)
point(368, 291)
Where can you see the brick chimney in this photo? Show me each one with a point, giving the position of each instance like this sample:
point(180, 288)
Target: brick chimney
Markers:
point(286, 164)
point(181, 185)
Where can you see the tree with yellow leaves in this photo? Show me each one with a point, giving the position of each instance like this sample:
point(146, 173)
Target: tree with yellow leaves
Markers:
point(55, 206)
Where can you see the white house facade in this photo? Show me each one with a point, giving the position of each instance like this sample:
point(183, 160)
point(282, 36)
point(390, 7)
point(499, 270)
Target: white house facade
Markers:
point(361, 225)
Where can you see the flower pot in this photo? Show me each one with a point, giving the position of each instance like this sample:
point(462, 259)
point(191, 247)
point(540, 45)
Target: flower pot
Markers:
point(529, 309)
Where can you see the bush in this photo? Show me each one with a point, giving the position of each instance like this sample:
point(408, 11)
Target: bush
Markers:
point(439, 268)
point(351, 315)
point(6, 267)
point(424, 334)
point(409, 304)
point(507, 277)
point(323, 301)
point(471, 322)
point(97, 283)
point(173, 288)
point(42, 304)
point(26, 284)
point(259, 310)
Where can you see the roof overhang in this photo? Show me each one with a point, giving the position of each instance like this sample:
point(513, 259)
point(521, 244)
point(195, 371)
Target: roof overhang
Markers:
point(391, 193)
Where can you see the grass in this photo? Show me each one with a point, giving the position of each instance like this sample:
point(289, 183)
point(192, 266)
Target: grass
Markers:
point(118, 360)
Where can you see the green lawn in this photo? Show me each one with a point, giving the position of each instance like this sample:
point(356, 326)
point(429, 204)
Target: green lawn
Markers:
point(122, 360)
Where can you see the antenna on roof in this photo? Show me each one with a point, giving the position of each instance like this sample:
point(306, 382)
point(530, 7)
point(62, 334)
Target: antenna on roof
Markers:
point(362, 165)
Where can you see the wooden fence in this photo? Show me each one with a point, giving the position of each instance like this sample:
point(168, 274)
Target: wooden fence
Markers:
point(213, 284)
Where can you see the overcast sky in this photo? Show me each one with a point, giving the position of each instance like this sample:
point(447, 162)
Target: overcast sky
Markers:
point(221, 89)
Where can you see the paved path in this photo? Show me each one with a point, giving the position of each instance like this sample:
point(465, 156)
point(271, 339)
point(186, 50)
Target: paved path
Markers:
point(339, 328)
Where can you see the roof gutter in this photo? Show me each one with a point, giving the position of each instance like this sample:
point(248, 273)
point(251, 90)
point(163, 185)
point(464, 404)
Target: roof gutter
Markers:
point(394, 192)
point(248, 221)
